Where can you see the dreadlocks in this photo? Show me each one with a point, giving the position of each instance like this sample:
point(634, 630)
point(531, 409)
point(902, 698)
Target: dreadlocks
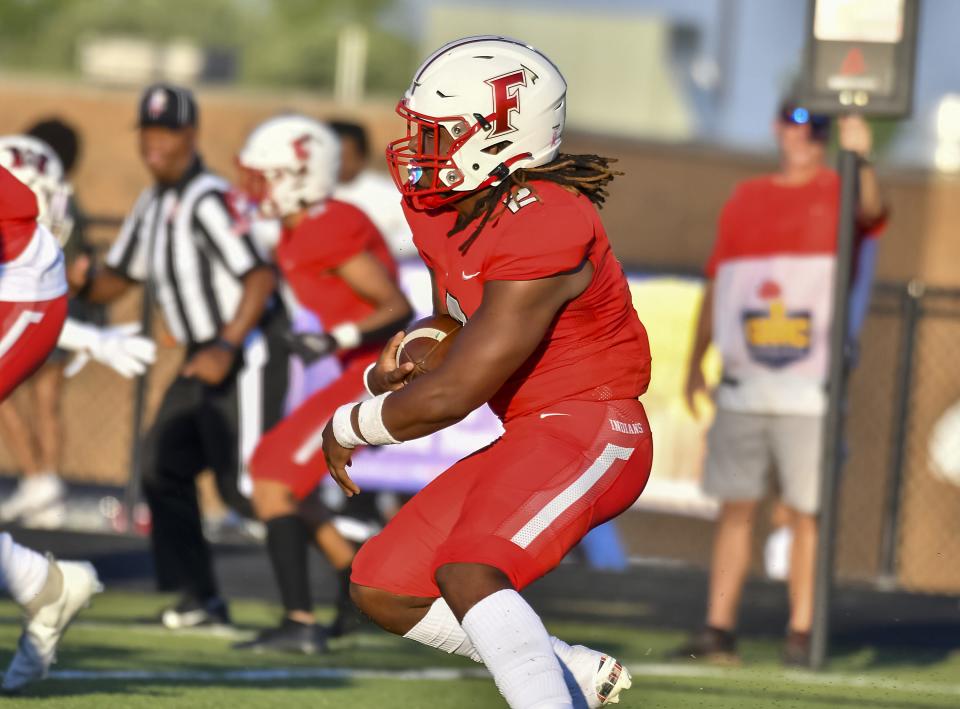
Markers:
point(587, 174)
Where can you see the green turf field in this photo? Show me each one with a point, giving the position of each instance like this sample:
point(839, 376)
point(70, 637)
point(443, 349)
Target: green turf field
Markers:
point(112, 658)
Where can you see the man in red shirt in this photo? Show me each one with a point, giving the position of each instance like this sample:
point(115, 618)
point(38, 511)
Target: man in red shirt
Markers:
point(767, 308)
point(508, 228)
point(338, 266)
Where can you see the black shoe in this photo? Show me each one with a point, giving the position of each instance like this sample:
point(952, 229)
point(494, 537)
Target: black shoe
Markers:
point(290, 636)
point(796, 649)
point(710, 645)
point(191, 613)
point(349, 620)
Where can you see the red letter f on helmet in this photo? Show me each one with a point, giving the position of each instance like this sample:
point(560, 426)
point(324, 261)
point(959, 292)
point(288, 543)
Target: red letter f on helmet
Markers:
point(506, 98)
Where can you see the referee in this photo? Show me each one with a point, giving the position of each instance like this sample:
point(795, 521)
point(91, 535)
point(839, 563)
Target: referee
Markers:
point(217, 298)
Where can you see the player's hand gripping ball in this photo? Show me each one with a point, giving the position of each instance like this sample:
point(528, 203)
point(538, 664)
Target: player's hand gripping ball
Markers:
point(426, 343)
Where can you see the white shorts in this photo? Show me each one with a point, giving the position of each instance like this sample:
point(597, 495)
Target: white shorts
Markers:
point(741, 449)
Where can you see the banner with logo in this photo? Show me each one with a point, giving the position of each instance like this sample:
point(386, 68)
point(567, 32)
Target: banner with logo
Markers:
point(668, 307)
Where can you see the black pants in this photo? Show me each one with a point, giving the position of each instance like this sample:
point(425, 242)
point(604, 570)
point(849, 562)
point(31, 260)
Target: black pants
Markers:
point(200, 427)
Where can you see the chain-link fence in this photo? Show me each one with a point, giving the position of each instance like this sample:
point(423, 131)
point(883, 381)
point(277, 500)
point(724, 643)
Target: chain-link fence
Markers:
point(900, 493)
point(923, 544)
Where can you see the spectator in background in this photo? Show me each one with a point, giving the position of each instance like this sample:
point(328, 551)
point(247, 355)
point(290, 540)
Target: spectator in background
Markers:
point(370, 191)
point(767, 308)
point(38, 500)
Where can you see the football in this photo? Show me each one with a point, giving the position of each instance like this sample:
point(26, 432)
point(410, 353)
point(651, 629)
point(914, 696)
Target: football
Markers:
point(427, 342)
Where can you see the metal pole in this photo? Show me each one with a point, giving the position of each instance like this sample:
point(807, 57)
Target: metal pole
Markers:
point(898, 433)
point(833, 421)
point(131, 495)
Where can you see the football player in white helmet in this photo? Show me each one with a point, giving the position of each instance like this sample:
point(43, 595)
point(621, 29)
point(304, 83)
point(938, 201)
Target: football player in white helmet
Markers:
point(119, 347)
point(338, 266)
point(509, 228)
point(38, 499)
point(32, 310)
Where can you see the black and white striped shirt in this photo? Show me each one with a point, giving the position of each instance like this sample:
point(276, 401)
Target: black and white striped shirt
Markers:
point(183, 241)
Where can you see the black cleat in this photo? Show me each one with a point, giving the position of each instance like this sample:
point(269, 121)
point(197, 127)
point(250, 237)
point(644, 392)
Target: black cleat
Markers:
point(191, 613)
point(349, 620)
point(290, 636)
point(711, 645)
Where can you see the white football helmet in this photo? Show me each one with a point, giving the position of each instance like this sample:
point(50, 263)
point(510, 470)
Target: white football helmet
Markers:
point(289, 162)
point(36, 165)
point(503, 104)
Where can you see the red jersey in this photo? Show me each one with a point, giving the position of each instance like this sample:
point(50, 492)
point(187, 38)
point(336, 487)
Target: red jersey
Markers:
point(310, 253)
point(765, 219)
point(597, 348)
point(18, 215)
point(773, 268)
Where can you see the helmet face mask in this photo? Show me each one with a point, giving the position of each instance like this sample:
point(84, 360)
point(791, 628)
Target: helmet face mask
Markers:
point(477, 110)
point(273, 192)
point(429, 151)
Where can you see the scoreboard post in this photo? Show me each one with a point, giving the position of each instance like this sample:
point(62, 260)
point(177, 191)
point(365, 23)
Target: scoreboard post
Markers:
point(859, 58)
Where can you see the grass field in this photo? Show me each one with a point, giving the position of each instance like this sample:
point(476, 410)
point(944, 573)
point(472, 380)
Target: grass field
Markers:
point(112, 657)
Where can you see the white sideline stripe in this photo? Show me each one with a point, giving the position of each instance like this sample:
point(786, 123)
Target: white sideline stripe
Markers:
point(797, 677)
point(444, 674)
point(276, 673)
point(577, 489)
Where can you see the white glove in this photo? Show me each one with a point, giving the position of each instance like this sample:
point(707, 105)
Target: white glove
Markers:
point(119, 347)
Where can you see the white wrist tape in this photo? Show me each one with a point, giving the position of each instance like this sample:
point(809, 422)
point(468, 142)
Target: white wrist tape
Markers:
point(343, 427)
point(346, 335)
point(366, 378)
point(371, 422)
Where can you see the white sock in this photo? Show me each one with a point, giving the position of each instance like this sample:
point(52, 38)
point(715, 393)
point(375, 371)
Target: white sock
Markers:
point(23, 571)
point(439, 628)
point(516, 648)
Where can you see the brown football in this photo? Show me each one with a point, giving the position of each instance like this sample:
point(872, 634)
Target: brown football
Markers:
point(427, 342)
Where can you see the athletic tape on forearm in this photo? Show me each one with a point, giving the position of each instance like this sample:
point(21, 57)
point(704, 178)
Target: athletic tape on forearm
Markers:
point(343, 427)
point(346, 335)
point(366, 378)
point(372, 427)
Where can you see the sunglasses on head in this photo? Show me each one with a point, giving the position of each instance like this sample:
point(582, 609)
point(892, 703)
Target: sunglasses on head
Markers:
point(798, 116)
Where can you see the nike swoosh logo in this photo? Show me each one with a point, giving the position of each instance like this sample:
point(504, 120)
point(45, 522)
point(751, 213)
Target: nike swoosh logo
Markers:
point(543, 416)
point(468, 277)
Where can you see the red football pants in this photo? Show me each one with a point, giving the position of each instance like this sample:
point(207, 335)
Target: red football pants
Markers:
point(291, 452)
point(28, 333)
point(521, 503)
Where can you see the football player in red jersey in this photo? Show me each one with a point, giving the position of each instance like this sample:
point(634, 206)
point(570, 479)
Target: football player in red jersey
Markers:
point(338, 266)
point(34, 441)
point(33, 307)
point(509, 229)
